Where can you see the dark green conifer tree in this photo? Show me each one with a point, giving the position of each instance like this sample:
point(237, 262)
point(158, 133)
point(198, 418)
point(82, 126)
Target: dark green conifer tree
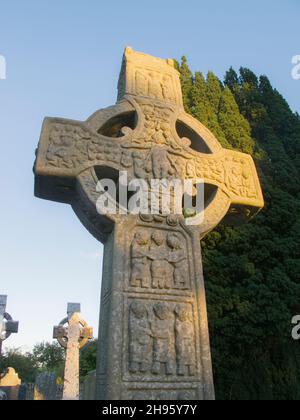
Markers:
point(252, 272)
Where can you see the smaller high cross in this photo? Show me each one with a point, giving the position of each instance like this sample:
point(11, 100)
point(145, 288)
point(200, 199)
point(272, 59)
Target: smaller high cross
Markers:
point(73, 338)
point(7, 325)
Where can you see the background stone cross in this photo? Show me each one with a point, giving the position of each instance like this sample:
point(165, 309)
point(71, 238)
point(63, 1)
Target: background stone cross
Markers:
point(7, 325)
point(73, 338)
point(154, 341)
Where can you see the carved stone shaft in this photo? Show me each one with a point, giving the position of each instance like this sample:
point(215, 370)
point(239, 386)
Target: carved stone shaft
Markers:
point(71, 378)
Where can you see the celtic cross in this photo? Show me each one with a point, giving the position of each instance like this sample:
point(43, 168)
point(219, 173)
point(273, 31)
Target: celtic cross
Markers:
point(153, 335)
point(7, 325)
point(73, 334)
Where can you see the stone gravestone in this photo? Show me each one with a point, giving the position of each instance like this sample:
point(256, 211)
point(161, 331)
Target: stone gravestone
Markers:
point(26, 392)
point(153, 336)
point(46, 387)
point(10, 384)
point(73, 338)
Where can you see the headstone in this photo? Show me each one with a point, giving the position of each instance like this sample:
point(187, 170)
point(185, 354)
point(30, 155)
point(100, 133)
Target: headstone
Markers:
point(26, 392)
point(72, 338)
point(10, 384)
point(89, 387)
point(46, 387)
point(153, 336)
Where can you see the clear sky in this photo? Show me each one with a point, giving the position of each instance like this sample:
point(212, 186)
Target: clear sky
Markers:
point(63, 59)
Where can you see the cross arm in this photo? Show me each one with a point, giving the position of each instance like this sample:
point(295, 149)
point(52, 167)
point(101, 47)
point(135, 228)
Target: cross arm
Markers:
point(12, 327)
point(68, 147)
point(62, 149)
point(86, 332)
point(235, 174)
point(60, 332)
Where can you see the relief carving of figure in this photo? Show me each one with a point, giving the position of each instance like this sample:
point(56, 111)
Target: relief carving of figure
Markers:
point(140, 339)
point(126, 159)
point(141, 83)
point(167, 89)
point(185, 341)
point(141, 166)
point(140, 274)
point(190, 169)
point(161, 269)
point(163, 340)
point(162, 164)
point(247, 189)
point(178, 259)
point(155, 88)
point(159, 261)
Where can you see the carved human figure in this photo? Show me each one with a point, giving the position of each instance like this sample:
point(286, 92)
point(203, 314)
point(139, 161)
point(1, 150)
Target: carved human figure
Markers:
point(140, 265)
point(141, 83)
point(126, 159)
point(185, 341)
point(161, 270)
point(190, 169)
point(161, 163)
point(140, 339)
point(141, 166)
point(178, 258)
point(167, 89)
point(234, 177)
point(163, 339)
point(155, 89)
point(247, 188)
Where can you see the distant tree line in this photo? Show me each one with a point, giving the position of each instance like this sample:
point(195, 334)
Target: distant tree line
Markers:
point(46, 357)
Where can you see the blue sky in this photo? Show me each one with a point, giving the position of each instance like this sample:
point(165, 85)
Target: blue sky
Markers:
point(63, 59)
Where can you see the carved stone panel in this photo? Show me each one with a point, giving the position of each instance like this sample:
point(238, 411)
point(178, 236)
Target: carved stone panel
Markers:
point(161, 340)
point(159, 260)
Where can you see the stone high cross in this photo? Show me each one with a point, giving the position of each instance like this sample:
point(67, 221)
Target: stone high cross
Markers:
point(153, 336)
point(7, 325)
point(73, 338)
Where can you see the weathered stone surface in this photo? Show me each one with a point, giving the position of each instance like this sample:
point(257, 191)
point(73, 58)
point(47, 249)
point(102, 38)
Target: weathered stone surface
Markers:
point(153, 337)
point(46, 387)
point(89, 387)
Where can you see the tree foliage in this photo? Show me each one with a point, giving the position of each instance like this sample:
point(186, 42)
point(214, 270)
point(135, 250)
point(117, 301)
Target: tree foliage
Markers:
point(252, 273)
point(46, 357)
point(88, 359)
point(24, 364)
